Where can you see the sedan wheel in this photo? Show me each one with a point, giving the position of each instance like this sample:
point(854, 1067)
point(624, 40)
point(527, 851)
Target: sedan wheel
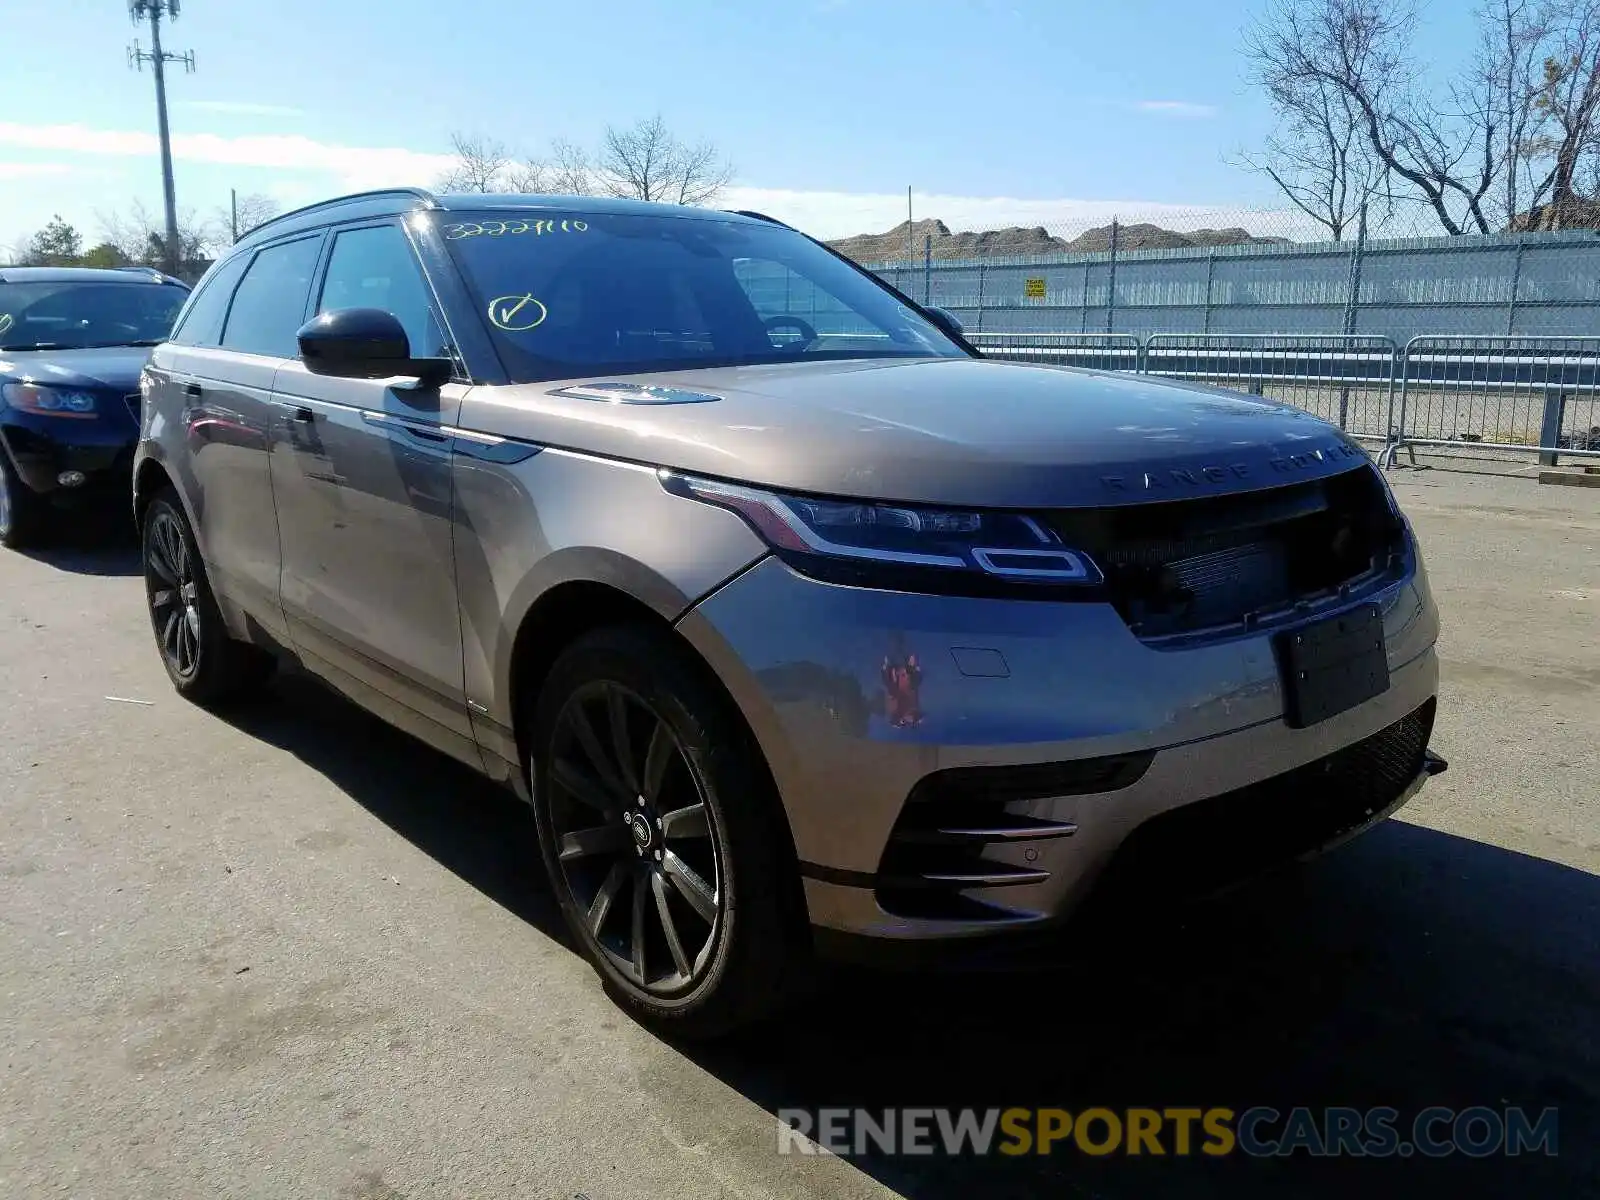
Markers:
point(22, 510)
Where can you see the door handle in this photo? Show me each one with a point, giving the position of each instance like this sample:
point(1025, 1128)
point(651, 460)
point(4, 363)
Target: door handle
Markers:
point(301, 414)
point(192, 389)
point(423, 435)
point(430, 434)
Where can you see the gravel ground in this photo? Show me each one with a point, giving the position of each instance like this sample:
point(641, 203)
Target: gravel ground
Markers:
point(293, 954)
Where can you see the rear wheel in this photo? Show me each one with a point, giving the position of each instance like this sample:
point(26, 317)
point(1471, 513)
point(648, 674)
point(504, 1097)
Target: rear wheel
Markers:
point(662, 836)
point(205, 663)
point(23, 512)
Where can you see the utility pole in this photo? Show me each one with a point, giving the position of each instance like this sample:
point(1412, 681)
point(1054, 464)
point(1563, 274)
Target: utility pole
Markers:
point(911, 254)
point(153, 11)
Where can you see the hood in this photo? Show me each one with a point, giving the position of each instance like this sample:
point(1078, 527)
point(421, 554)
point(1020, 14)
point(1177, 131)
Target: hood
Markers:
point(113, 367)
point(942, 431)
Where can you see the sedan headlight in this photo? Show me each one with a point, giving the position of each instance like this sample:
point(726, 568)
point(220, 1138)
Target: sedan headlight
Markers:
point(901, 546)
point(48, 401)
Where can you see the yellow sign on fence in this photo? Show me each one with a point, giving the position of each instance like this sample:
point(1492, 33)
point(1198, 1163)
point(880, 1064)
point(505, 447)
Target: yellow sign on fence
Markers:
point(1033, 289)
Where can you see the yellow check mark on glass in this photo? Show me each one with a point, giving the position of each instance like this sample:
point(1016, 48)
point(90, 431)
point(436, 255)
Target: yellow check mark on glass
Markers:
point(511, 310)
point(516, 314)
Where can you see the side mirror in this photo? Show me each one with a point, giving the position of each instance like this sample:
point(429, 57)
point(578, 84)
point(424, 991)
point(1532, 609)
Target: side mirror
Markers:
point(365, 343)
point(945, 320)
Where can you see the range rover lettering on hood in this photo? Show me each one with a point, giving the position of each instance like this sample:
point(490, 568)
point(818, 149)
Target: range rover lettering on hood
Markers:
point(1181, 478)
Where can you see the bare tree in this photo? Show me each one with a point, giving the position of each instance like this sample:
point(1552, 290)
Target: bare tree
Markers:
point(485, 165)
point(481, 165)
point(251, 209)
point(1568, 106)
point(1318, 156)
point(1506, 74)
point(1359, 50)
point(140, 236)
point(647, 162)
point(644, 161)
point(1506, 145)
point(570, 171)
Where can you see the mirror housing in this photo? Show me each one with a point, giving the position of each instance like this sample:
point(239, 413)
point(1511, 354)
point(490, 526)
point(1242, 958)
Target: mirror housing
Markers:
point(945, 320)
point(365, 343)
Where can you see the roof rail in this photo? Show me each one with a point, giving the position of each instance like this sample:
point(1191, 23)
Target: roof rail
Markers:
point(415, 192)
point(160, 275)
point(760, 216)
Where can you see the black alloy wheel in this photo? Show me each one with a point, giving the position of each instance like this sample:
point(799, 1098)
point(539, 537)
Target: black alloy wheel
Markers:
point(174, 593)
point(664, 837)
point(637, 843)
point(203, 659)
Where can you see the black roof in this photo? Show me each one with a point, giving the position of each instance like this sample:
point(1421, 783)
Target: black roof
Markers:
point(85, 275)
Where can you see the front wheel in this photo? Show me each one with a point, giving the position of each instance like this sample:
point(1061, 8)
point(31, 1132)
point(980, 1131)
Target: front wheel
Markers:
point(663, 839)
point(23, 512)
point(205, 663)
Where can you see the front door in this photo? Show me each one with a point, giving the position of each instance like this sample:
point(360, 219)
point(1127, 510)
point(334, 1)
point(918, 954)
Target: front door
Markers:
point(361, 477)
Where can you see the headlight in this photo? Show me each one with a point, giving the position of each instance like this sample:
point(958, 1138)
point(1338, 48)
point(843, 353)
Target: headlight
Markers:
point(900, 546)
point(48, 401)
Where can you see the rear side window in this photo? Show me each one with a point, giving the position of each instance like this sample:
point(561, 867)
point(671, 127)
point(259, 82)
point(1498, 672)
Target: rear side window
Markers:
point(270, 304)
point(202, 323)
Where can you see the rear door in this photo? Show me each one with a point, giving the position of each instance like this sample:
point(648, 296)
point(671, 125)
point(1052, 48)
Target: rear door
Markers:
point(361, 474)
point(220, 381)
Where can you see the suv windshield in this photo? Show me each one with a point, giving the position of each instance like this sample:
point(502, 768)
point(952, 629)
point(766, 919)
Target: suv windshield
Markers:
point(63, 314)
point(568, 294)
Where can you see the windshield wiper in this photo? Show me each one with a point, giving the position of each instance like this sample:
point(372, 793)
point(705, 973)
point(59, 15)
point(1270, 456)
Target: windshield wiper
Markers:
point(40, 346)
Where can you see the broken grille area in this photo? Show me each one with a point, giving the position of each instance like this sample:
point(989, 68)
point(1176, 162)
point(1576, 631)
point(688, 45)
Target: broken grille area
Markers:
point(1182, 567)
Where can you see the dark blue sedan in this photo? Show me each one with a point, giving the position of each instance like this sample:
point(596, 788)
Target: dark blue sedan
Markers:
point(72, 343)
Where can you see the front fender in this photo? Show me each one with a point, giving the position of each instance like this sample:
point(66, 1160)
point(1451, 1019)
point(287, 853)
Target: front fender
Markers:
point(525, 528)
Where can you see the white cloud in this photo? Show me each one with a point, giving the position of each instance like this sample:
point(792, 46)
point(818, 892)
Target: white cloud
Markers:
point(308, 170)
point(1175, 108)
point(355, 167)
point(242, 108)
point(33, 170)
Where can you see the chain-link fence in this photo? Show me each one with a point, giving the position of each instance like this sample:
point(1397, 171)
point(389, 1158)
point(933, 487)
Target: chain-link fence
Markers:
point(1478, 396)
point(1505, 397)
point(1214, 271)
point(1346, 379)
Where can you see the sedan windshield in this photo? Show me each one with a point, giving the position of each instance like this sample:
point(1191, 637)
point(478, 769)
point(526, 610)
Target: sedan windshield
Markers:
point(569, 294)
point(69, 315)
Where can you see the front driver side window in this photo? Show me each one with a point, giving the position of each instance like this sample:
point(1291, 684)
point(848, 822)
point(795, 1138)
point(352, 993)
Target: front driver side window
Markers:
point(374, 268)
point(269, 306)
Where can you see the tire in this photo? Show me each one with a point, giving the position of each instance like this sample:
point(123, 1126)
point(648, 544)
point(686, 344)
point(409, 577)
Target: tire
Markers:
point(24, 514)
point(712, 858)
point(205, 663)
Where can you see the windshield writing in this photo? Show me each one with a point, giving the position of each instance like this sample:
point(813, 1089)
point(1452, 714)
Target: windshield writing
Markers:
point(566, 295)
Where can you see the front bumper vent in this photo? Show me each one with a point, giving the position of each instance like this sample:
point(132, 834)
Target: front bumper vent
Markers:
point(937, 850)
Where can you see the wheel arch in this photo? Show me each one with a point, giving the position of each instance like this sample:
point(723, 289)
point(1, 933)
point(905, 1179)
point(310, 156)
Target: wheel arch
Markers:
point(149, 477)
point(569, 610)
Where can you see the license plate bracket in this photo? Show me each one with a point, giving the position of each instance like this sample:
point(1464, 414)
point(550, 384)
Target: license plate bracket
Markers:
point(1333, 665)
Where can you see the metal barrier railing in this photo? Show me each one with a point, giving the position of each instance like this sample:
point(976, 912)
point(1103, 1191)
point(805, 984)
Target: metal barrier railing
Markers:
point(1096, 351)
point(1486, 397)
point(1502, 394)
point(1347, 379)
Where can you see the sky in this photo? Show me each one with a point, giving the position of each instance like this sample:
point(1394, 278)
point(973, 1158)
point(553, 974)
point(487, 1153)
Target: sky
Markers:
point(1054, 112)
